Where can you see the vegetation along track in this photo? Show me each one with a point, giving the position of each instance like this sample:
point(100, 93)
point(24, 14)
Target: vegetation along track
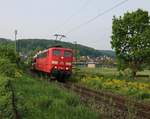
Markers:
point(119, 102)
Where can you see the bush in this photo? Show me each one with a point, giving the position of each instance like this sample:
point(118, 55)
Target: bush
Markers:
point(9, 61)
point(6, 111)
point(9, 69)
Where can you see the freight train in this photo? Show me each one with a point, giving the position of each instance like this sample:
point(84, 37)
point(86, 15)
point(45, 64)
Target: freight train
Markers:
point(55, 61)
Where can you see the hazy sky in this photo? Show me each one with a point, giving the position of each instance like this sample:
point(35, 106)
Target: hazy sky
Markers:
point(43, 18)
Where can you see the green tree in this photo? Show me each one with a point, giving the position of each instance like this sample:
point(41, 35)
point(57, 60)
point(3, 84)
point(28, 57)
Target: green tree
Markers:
point(131, 40)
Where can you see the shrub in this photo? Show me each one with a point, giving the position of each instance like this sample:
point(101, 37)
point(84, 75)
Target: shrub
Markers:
point(9, 69)
point(6, 111)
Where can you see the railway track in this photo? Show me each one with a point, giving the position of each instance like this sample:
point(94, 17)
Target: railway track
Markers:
point(142, 111)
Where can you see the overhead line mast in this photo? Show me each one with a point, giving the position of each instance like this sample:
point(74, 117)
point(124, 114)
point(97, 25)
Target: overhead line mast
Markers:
point(60, 36)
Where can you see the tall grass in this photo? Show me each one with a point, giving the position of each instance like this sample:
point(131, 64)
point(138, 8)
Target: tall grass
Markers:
point(41, 100)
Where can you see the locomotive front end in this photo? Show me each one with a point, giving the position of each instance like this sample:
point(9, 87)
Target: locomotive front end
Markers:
point(62, 63)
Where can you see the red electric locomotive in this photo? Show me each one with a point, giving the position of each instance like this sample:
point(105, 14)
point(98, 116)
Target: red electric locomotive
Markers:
point(56, 61)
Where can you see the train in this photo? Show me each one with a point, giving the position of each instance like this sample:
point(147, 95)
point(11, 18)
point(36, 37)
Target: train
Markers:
point(55, 61)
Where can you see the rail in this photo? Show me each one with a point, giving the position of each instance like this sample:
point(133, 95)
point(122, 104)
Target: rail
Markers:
point(142, 110)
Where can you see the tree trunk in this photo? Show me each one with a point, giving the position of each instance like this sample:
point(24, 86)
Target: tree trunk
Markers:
point(133, 74)
point(134, 68)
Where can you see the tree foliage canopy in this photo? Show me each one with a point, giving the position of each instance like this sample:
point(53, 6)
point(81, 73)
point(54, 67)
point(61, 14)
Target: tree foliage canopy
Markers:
point(131, 39)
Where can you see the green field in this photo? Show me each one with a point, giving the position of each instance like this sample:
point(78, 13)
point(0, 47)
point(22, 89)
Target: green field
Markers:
point(114, 73)
point(109, 80)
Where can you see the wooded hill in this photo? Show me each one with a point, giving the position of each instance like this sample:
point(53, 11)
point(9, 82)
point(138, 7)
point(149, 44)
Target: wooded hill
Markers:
point(28, 45)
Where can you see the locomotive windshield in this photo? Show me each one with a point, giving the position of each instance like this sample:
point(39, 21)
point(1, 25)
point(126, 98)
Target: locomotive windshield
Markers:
point(67, 54)
point(57, 52)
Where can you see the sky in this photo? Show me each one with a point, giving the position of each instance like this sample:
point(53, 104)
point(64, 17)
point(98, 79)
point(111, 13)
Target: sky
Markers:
point(44, 18)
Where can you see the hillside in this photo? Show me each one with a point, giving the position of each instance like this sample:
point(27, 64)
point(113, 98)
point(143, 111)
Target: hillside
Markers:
point(4, 40)
point(29, 45)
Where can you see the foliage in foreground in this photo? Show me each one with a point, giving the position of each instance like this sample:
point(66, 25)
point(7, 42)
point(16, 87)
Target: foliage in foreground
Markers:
point(6, 111)
point(46, 101)
point(9, 70)
point(9, 61)
point(131, 40)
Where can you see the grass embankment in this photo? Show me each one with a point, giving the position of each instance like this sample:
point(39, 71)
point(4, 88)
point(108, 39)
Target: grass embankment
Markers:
point(40, 100)
point(108, 79)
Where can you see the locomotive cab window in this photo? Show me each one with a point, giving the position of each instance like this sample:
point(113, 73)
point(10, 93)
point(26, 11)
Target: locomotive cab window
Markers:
point(56, 52)
point(67, 54)
point(42, 55)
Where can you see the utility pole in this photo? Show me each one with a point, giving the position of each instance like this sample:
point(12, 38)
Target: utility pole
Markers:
point(16, 47)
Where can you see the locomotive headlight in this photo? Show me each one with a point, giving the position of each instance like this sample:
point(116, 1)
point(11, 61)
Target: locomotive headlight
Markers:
point(68, 63)
point(55, 67)
point(54, 62)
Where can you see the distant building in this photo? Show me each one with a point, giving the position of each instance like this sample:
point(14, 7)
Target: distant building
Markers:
point(91, 65)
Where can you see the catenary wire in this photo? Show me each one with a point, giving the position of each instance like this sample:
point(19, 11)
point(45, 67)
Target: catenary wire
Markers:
point(96, 17)
point(73, 15)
